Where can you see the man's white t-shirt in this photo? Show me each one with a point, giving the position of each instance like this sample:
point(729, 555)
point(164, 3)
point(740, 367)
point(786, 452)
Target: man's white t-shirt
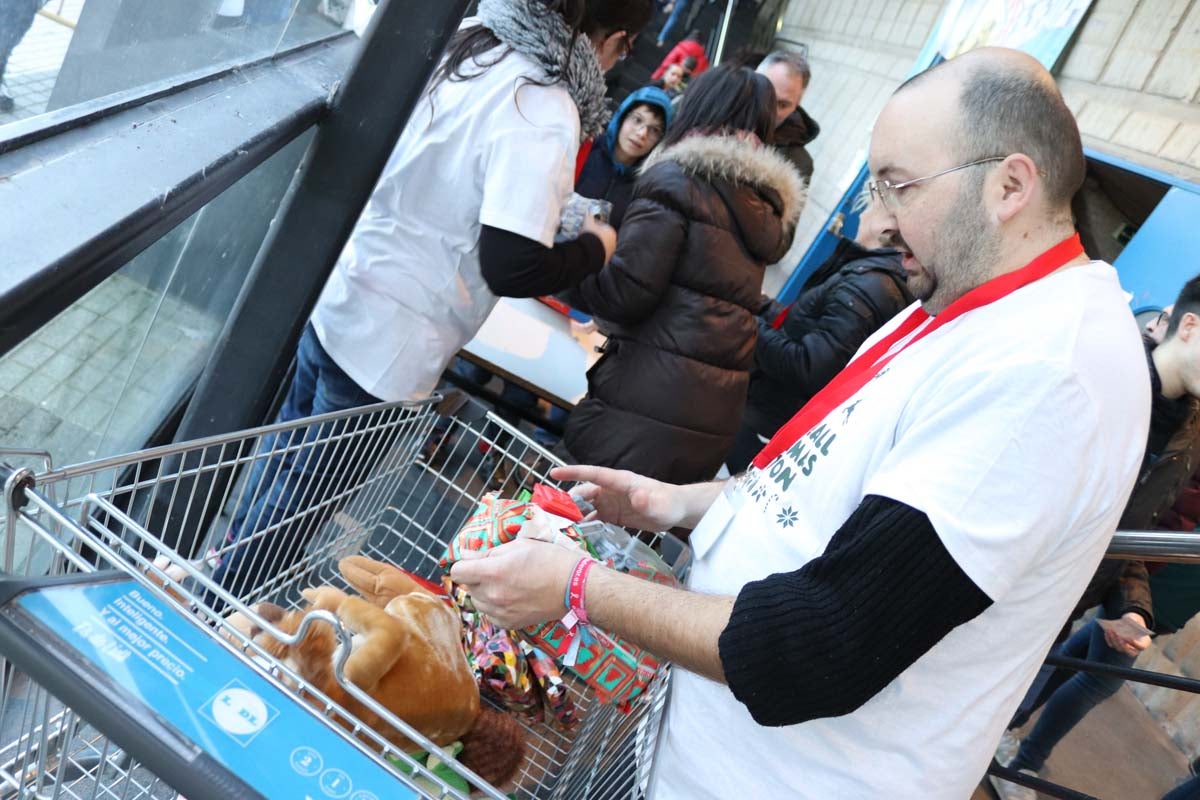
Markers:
point(1018, 429)
point(407, 293)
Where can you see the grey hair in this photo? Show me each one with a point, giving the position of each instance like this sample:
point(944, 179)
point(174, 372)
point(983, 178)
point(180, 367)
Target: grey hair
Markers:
point(795, 62)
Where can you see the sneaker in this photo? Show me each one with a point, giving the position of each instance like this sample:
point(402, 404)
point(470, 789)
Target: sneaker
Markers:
point(212, 559)
point(6, 102)
point(1007, 790)
point(1006, 751)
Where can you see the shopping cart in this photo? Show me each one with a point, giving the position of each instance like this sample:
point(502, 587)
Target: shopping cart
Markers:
point(88, 711)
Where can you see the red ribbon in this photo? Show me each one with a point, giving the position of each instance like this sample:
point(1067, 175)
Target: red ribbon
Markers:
point(862, 369)
point(781, 317)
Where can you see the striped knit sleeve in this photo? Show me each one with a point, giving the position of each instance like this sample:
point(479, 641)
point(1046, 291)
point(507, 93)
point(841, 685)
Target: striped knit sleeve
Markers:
point(825, 639)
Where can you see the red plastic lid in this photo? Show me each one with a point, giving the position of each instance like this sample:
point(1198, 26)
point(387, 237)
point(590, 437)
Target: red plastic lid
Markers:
point(556, 501)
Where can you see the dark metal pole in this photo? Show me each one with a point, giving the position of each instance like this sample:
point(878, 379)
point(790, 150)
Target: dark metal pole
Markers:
point(399, 52)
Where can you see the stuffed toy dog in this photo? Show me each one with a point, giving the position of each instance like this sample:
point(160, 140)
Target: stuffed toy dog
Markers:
point(407, 655)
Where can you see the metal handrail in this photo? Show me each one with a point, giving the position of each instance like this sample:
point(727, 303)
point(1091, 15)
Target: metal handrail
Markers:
point(1158, 546)
point(1167, 546)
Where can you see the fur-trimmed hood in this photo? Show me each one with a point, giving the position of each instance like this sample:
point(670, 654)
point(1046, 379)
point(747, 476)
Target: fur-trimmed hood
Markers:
point(741, 162)
point(680, 298)
point(761, 189)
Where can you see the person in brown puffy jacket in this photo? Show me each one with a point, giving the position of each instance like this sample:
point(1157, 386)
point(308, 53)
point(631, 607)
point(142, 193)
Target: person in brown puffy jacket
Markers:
point(712, 207)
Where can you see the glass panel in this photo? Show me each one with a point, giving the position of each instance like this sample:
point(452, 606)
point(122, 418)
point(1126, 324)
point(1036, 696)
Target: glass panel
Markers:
point(68, 52)
point(102, 376)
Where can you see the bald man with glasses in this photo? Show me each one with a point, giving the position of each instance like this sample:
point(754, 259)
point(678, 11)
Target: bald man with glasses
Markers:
point(870, 600)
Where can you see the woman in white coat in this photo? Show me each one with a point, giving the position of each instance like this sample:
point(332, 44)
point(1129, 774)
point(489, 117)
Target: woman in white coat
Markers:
point(465, 211)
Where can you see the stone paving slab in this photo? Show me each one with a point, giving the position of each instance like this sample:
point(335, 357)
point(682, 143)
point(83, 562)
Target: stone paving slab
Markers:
point(94, 381)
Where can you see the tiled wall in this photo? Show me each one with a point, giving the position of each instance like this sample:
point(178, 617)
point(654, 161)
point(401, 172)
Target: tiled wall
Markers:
point(1132, 76)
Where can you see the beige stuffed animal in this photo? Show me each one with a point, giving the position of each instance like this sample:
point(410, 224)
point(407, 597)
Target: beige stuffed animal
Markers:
point(407, 655)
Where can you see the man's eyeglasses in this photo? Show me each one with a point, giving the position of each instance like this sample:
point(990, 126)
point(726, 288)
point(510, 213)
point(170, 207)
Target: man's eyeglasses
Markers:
point(886, 192)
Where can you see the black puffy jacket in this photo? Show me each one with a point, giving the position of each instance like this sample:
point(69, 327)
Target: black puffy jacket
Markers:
point(849, 297)
point(678, 300)
point(792, 138)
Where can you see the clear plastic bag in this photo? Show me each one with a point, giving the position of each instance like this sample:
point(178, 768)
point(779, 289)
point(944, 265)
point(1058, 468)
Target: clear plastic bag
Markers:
point(574, 213)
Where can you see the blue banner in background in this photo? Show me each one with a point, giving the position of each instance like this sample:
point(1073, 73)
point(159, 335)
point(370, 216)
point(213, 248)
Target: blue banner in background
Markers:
point(175, 667)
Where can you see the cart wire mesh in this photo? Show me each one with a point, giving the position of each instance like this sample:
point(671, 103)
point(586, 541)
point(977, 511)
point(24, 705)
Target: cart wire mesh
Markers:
point(394, 482)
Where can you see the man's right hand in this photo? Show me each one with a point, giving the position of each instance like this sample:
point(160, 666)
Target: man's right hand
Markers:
point(1128, 634)
point(606, 233)
point(625, 498)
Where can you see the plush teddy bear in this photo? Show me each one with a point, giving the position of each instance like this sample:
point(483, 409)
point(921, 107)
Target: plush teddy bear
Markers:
point(407, 655)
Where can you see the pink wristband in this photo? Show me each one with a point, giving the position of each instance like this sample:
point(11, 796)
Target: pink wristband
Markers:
point(577, 589)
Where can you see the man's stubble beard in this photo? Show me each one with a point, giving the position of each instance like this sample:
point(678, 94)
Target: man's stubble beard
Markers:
point(966, 249)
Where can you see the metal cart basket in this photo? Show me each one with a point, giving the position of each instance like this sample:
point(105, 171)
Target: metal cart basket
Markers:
point(393, 481)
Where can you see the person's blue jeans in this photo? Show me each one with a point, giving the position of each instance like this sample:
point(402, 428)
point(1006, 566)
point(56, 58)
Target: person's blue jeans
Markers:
point(273, 520)
point(1072, 701)
point(673, 21)
point(517, 398)
point(1188, 790)
point(16, 18)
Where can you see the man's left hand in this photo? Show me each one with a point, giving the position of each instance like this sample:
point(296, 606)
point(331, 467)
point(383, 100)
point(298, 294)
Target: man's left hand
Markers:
point(518, 584)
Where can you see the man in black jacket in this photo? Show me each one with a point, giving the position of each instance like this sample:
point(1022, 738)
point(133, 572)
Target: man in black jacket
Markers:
point(789, 73)
point(801, 347)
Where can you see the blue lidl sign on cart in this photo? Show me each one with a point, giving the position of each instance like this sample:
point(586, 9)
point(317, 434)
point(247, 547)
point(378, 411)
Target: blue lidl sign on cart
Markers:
point(178, 672)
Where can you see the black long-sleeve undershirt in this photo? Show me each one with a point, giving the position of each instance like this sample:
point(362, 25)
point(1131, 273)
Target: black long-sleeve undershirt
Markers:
point(825, 639)
point(515, 266)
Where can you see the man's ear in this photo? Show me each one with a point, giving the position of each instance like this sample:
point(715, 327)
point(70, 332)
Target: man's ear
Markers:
point(1188, 328)
point(1013, 185)
point(609, 48)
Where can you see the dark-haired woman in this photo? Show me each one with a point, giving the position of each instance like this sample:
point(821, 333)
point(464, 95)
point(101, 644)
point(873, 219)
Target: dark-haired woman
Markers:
point(464, 211)
point(711, 209)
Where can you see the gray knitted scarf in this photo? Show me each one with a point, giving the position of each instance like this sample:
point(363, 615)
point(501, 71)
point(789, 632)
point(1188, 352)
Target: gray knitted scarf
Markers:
point(542, 36)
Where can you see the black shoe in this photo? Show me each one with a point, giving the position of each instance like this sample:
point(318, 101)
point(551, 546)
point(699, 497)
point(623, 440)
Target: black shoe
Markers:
point(6, 103)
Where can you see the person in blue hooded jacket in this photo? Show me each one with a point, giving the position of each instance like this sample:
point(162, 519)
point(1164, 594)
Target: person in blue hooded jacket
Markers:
point(611, 168)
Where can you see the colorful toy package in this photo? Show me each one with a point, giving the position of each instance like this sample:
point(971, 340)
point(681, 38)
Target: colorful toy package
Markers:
point(510, 671)
point(617, 671)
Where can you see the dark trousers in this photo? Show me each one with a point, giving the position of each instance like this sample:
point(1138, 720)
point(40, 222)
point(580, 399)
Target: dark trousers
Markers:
point(271, 524)
point(1074, 698)
point(1188, 790)
point(16, 18)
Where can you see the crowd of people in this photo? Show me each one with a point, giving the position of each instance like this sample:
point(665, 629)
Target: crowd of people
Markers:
point(926, 482)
